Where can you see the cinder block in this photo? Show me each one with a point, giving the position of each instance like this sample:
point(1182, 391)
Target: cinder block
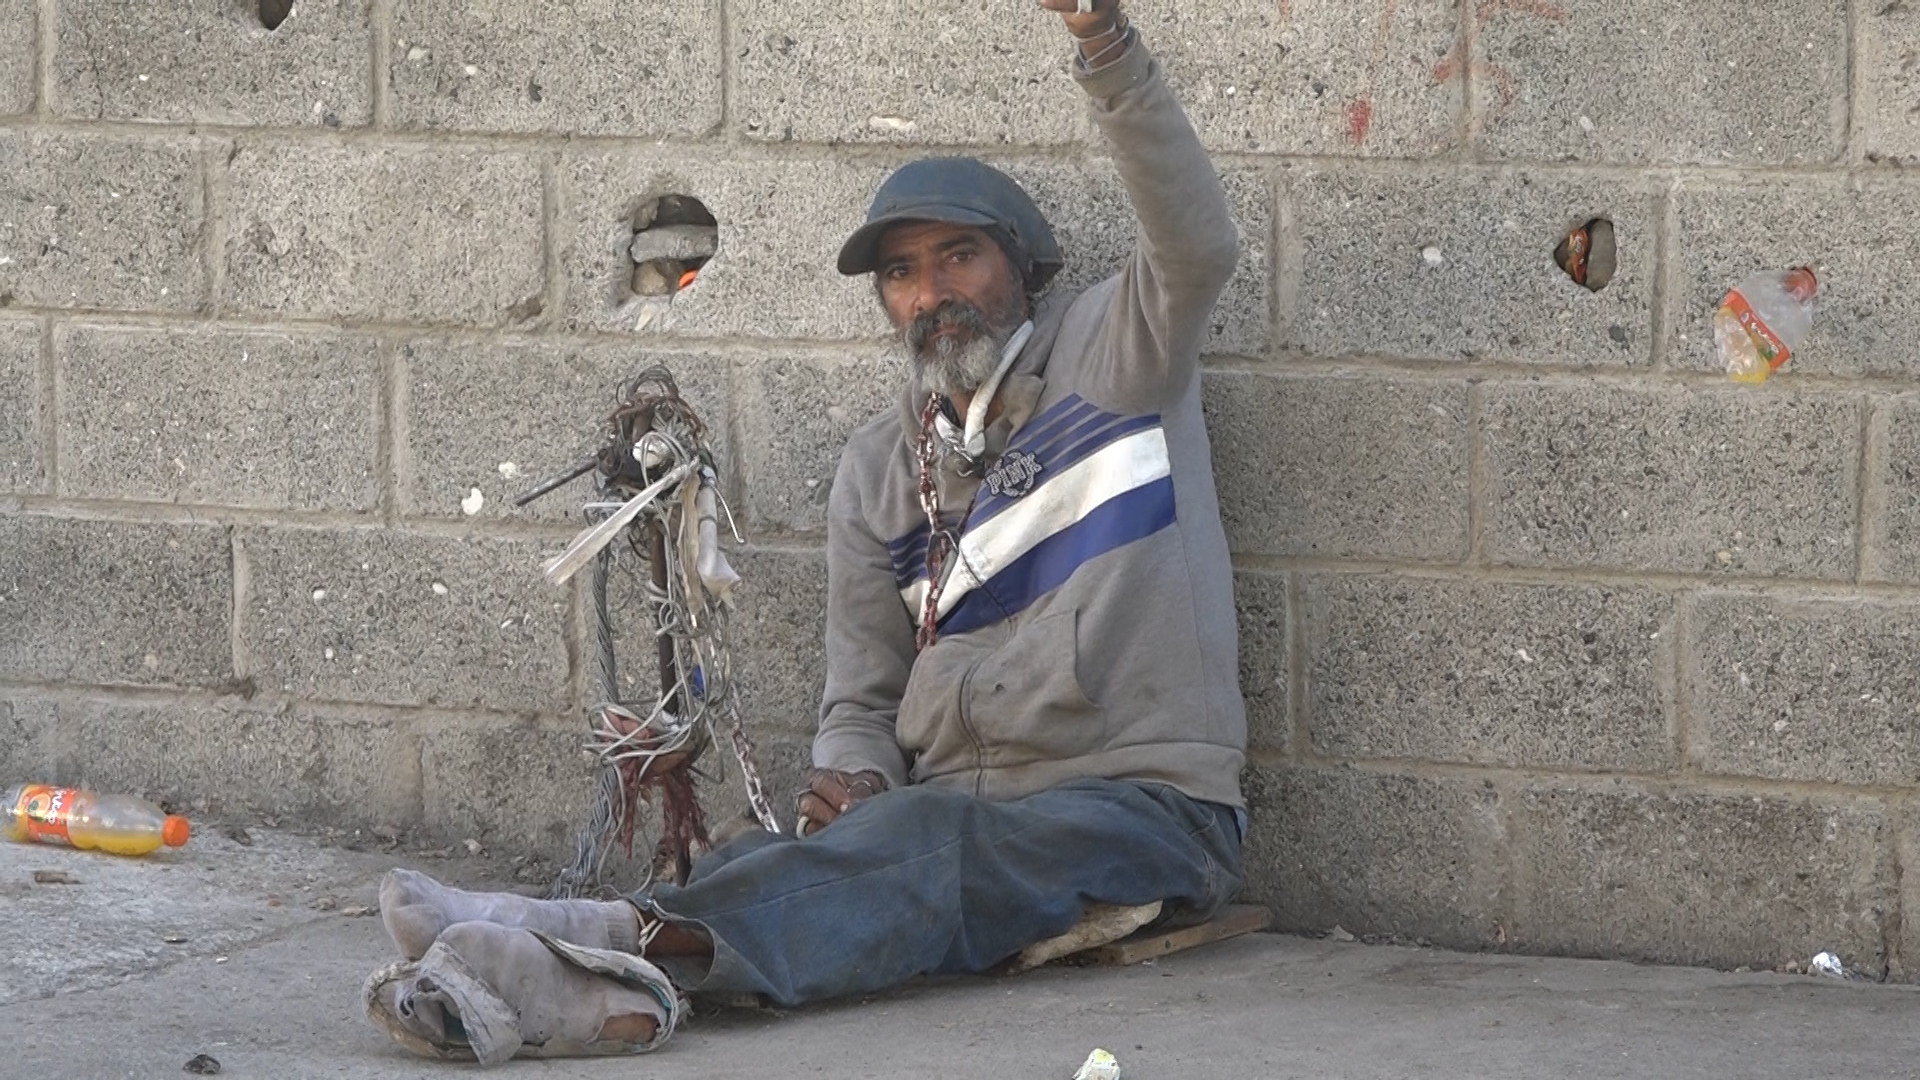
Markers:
point(776, 633)
point(18, 22)
point(1340, 466)
point(113, 602)
point(502, 418)
point(1260, 601)
point(1311, 76)
point(214, 62)
point(1867, 303)
point(380, 616)
point(1908, 845)
point(523, 786)
point(591, 67)
point(27, 729)
point(922, 72)
point(680, 242)
point(1671, 479)
point(1700, 878)
point(23, 423)
point(1719, 82)
point(415, 234)
point(282, 421)
point(1891, 547)
point(1458, 264)
point(1547, 676)
point(1886, 66)
point(800, 413)
point(1806, 691)
point(781, 227)
point(779, 634)
point(100, 222)
point(353, 771)
point(1377, 853)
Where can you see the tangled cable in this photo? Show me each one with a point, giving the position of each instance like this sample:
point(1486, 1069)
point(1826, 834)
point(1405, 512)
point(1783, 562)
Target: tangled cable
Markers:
point(657, 489)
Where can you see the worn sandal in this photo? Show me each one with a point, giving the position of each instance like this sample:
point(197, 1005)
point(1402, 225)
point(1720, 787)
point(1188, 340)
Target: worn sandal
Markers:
point(490, 993)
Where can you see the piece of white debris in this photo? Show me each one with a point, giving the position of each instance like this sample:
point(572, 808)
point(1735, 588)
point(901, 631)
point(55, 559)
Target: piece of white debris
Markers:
point(319, 595)
point(897, 124)
point(439, 589)
point(328, 654)
point(508, 470)
point(473, 502)
point(1829, 965)
point(1586, 123)
point(471, 70)
point(1431, 255)
point(1100, 1065)
point(473, 846)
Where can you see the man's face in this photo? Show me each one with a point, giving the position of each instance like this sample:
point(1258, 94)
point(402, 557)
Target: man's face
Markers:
point(954, 298)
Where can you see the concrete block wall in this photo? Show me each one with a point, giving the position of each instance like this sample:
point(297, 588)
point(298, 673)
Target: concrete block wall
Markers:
point(1552, 640)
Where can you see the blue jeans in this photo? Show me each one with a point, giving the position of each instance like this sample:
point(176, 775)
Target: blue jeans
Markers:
point(925, 880)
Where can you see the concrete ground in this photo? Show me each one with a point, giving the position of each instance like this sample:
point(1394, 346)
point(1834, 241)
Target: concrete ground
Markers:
point(254, 953)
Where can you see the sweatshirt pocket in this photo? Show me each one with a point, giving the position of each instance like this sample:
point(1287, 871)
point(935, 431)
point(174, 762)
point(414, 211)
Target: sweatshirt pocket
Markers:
point(1025, 701)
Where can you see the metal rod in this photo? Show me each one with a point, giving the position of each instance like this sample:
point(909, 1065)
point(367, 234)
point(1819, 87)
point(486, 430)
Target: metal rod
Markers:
point(579, 469)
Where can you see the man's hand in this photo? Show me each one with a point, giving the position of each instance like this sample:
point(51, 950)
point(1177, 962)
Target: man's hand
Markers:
point(831, 793)
point(1094, 28)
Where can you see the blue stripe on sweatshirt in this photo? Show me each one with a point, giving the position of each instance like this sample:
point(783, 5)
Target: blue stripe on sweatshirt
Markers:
point(1129, 516)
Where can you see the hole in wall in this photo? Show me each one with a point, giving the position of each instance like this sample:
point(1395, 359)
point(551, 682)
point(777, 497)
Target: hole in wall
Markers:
point(274, 12)
point(673, 237)
point(1588, 255)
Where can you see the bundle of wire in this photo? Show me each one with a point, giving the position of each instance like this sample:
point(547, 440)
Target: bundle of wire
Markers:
point(657, 506)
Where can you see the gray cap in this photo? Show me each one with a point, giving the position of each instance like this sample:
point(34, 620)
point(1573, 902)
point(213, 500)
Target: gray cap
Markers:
point(959, 191)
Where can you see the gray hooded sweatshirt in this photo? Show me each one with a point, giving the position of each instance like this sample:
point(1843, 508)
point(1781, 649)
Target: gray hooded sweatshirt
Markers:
point(1086, 623)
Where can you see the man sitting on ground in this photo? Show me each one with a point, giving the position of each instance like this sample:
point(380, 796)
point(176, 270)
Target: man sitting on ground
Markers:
point(1031, 697)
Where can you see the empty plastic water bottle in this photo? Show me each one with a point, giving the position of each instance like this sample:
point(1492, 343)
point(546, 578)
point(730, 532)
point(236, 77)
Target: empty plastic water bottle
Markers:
point(1762, 321)
point(116, 824)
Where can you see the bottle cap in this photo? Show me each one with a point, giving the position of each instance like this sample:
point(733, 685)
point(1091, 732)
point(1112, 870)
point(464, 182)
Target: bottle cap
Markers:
point(1802, 283)
point(176, 830)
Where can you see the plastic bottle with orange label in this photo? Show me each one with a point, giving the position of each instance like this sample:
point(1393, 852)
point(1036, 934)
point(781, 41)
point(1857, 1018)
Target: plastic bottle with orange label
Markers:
point(116, 824)
point(1763, 321)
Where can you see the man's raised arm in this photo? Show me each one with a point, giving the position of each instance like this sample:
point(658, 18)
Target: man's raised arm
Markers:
point(1187, 246)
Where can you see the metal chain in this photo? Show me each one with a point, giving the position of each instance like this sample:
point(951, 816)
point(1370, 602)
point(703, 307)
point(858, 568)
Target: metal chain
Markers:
point(924, 452)
point(743, 750)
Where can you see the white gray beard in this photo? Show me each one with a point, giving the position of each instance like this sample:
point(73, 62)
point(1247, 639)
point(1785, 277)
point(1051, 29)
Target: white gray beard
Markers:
point(951, 369)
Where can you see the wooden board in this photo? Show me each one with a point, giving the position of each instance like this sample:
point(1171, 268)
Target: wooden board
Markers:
point(1236, 920)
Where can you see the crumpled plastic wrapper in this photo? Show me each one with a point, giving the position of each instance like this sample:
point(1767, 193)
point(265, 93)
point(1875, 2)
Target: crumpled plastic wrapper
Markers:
point(1100, 1066)
point(1829, 965)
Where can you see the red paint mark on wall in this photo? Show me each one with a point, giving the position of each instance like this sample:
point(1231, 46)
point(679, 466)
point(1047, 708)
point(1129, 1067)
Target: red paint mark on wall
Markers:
point(1359, 119)
point(1360, 110)
point(1489, 10)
